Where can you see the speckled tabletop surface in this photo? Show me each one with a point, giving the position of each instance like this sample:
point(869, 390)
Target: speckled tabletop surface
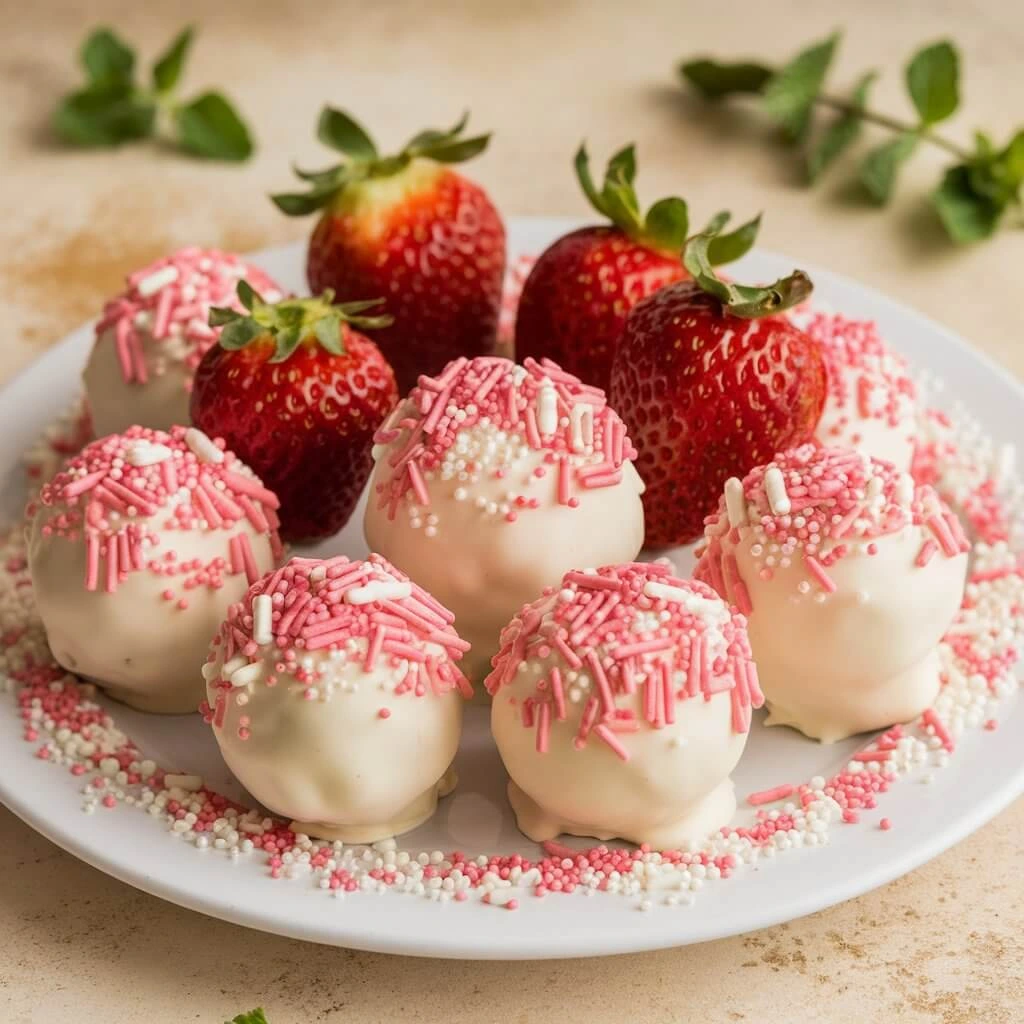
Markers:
point(940, 946)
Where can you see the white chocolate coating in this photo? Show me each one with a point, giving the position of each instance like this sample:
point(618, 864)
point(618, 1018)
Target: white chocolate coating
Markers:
point(674, 788)
point(115, 404)
point(484, 568)
point(841, 426)
point(142, 649)
point(333, 765)
point(621, 703)
point(865, 656)
point(847, 596)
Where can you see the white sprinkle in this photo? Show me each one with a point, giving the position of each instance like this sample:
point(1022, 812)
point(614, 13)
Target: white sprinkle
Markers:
point(262, 613)
point(547, 408)
point(247, 674)
point(378, 590)
point(190, 783)
point(209, 671)
point(581, 418)
point(775, 490)
point(202, 447)
point(145, 453)
point(904, 489)
point(735, 502)
point(152, 283)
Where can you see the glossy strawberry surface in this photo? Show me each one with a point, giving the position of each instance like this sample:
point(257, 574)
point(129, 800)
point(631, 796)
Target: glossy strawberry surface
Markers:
point(707, 395)
point(575, 302)
point(305, 425)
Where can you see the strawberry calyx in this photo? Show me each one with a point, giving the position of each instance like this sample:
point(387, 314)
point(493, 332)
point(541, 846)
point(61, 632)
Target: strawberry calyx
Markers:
point(291, 321)
point(340, 131)
point(666, 225)
point(750, 302)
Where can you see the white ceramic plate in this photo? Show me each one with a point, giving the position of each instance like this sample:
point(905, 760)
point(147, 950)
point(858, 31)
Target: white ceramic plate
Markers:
point(986, 773)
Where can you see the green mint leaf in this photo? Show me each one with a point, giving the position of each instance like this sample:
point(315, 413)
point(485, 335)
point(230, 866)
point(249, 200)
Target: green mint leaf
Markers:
point(456, 151)
point(252, 1017)
point(717, 222)
point(107, 59)
point(167, 70)
point(667, 224)
point(342, 132)
point(240, 332)
point(841, 133)
point(730, 247)
point(749, 302)
point(328, 333)
point(879, 168)
point(210, 127)
point(104, 114)
point(933, 76)
point(791, 93)
point(966, 215)
point(714, 80)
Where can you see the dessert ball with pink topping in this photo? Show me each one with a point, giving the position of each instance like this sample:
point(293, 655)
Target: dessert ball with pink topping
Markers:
point(872, 400)
point(849, 576)
point(492, 480)
point(137, 547)
point(334, 691)
point(150, 339)
point(621, 702)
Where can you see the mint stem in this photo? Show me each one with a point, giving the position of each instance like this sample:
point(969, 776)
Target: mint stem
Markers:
point(883, 120)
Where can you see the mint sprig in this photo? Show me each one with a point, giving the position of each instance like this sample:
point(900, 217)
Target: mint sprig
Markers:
point(975, 193)
point(113, 108)
point(340, 131)
point(252, 1017)
point(291, 321)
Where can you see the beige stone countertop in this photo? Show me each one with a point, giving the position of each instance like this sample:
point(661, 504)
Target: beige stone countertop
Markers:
point(943, 945)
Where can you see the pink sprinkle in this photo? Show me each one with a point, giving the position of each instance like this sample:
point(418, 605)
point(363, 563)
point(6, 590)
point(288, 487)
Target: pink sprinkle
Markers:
point(770, 796)
point(938, 727)
point(924, 556)
point(612, 740)
point(815, 568)
point(543, 728)
point(384, 713)
point(885, 824)
point(419, 486)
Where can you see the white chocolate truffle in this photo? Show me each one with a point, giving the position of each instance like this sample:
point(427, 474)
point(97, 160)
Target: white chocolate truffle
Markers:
point(494, 480)
point(151, 338)
point(137, 548)
point(847, 588)
point(622, 701)
point(872, 400)
point(334, 694)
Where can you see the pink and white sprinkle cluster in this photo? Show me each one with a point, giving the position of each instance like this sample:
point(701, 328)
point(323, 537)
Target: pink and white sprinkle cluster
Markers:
point(364, 611)
point(817, 505)
point(480, 417)
point(620, 631)
point(169, 302)
point(867, 380)
point(121, 495)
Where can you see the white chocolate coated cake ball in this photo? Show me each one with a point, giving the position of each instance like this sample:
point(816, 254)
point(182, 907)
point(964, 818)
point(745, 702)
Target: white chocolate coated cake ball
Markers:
point(151, 338)
point(849, 576)
point(137, 548)
point(872, 399)
point(621, 702)
point(334, 693)
point(493, 480)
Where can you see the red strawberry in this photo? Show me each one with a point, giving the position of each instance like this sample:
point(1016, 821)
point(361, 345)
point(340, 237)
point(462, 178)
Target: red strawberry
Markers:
point(297, 394)
point(709, 385)
point(409, 228)
point(575, 301)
